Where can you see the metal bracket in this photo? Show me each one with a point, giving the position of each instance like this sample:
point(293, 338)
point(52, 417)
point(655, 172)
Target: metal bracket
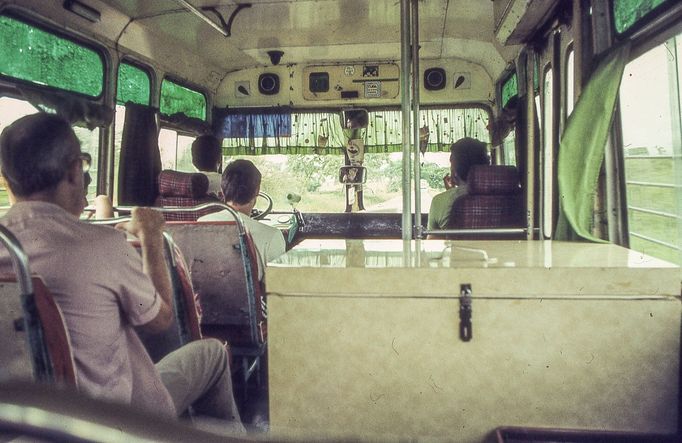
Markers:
point(227, 26)
point(465, 328)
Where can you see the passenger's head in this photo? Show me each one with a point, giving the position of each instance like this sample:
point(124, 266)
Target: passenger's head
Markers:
point(40, 158)
point(465, 153)
point(240, 183)
point(207, 153)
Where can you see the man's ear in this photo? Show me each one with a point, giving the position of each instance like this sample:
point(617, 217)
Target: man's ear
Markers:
point(74, 172)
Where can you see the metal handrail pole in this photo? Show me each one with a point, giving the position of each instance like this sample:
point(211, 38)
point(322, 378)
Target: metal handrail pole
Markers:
point(405, 55)
point(415, 120)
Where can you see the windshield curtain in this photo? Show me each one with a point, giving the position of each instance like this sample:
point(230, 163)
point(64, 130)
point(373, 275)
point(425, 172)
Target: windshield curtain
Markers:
point(322, 132)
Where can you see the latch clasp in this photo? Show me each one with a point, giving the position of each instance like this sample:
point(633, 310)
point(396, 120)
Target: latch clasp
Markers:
point(465, 328)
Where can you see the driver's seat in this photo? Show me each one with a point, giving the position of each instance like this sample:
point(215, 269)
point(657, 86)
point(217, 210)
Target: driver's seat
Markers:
point(184, 189)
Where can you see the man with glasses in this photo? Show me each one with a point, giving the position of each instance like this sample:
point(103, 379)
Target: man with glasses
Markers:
point(101, 283)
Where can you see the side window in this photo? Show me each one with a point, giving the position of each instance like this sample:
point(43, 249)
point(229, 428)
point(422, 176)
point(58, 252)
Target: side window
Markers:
point(176, 150)
point(509, 148)
point(570, 83)
point(134, 85)
point(548, 151)
point(30, 54)
point(510, 89)
point(626, 13)
point(176, 98)
point(90, 144)
point(650, 119)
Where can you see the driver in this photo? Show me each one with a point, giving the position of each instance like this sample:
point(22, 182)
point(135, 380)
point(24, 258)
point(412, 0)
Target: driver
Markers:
point(240, 184)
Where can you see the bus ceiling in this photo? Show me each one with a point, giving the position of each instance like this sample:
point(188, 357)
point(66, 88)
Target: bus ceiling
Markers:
point(306, 32)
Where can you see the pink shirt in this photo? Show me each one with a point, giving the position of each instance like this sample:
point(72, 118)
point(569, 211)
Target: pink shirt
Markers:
point(96, 278)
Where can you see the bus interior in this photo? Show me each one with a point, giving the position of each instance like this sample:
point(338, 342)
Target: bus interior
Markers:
point(549, 310)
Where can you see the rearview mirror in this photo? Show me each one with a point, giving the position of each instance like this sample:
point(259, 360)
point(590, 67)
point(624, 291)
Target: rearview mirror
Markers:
point(352, 175)
point(355, 118)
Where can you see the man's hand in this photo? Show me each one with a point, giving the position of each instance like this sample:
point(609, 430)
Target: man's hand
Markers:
point(447, 182)
point(144, 223)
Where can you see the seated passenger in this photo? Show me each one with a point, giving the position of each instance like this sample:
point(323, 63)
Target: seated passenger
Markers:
point(207, 156)
point(464, 153)
point(102, 285)
point(241, 185)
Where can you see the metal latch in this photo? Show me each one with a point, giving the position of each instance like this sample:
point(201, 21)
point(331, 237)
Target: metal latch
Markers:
point(465, 329)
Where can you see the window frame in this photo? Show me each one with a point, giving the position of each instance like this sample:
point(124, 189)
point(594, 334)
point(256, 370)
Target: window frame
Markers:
point(41, 25)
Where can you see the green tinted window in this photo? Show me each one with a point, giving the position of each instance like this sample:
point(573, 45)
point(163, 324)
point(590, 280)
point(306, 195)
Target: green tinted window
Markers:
point(176, 98)
point(134, 85)
point(627, 12)
point(509, 89)
point(31, 54)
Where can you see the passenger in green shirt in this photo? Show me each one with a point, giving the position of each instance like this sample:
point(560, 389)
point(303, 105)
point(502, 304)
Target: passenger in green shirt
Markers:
point(464, 153)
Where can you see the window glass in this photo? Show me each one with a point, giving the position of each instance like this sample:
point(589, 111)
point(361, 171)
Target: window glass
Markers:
point(570, 83)
point(90, 144)
point(650, 125)
point(627, 12)
point(548, 158)
point(134, 85)
point(510, 89)
point(31, 54)
point(176, 150)
point(509, 148)
point(176, 98)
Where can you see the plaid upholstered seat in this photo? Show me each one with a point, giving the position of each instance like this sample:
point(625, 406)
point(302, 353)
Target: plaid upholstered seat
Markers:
point(184, 189)
point(494, 199)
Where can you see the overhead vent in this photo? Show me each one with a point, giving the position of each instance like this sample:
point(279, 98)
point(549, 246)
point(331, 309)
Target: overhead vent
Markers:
point(435, 79)
point(268, 84)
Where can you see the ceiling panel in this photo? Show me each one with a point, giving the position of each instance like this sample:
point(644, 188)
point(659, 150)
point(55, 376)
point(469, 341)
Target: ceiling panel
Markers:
point(317, 30)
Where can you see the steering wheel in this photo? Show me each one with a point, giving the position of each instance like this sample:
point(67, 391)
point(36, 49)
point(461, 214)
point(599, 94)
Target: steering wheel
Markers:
point(257, 214)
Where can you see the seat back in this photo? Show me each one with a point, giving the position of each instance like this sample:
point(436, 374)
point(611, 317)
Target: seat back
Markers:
point(224, 271)
point(17, 352)
point(184, 189)
point(35, 341)
point(494, 199)
point(185, 325)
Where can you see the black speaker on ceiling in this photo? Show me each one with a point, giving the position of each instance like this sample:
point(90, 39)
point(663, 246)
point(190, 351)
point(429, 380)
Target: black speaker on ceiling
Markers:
point(434, 79)
point(318, 82)
point(268, 84)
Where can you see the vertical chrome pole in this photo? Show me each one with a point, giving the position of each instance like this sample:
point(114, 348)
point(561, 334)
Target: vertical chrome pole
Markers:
point(415, 120)
point(405, 95)
point(530, 146)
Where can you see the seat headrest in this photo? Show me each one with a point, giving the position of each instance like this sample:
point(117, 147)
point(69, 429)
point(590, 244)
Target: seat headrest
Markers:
point(495, 179)
point(182, 184)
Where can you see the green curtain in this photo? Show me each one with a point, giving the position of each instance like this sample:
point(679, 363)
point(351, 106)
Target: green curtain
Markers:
point(581, 150)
